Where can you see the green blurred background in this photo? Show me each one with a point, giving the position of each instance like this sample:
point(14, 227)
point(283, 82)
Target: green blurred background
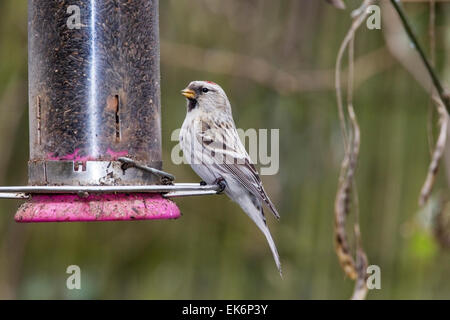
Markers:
point(276, 60)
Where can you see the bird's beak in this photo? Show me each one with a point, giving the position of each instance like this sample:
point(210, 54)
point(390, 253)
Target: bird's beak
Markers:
point(188, 93)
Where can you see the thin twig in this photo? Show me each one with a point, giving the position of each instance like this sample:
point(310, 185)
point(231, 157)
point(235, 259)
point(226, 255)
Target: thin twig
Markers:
point(437, 154)
point(347, 185)
point(360, 290)
point(443, 104)
point(407, 26)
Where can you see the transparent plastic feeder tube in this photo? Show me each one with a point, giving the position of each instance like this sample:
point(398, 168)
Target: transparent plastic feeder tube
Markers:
point(94, 91)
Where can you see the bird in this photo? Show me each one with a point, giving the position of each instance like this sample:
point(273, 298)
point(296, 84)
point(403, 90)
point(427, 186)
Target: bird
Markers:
point(211, 145)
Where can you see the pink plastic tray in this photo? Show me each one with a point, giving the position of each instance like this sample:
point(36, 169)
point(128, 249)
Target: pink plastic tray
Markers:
point(100, 207)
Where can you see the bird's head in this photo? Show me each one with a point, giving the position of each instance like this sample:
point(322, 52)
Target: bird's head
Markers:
point(206, 96)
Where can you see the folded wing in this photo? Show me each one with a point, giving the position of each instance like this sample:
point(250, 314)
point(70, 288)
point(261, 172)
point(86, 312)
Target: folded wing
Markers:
point(222, 147)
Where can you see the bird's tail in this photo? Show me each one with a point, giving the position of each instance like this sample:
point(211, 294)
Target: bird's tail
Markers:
point(272, 246)
point(257, 215)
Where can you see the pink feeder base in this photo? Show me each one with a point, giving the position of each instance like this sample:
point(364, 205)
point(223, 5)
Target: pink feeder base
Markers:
point(97, 207)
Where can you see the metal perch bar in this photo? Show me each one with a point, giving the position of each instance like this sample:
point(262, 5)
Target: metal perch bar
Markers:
point(14, 196)
point(169, 191)
point(178, 194)
point(159, 173)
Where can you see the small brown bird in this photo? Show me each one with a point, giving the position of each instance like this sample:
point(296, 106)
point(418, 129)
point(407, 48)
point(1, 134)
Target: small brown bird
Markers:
point(212, 147)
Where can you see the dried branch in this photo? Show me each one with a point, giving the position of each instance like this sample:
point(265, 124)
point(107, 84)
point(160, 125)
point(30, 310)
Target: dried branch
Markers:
point(437, 83)
point(439, 148)
point(360, 290)
point(428, 78)
point(356, 271)
point(399, 46)
point(437, 154)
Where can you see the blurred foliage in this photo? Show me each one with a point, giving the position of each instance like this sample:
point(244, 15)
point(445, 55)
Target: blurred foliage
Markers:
point(214, 251)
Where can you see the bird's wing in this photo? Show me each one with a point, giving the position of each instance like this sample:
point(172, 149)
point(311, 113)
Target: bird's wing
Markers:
point(222, 146)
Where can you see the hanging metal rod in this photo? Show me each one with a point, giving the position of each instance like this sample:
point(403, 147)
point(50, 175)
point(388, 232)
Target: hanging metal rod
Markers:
point(169, 191)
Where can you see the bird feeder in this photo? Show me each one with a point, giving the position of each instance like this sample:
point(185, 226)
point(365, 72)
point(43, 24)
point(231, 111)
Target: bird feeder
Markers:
point(95, 115)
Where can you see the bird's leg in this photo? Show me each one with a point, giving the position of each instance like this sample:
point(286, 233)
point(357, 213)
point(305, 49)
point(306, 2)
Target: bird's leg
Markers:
point(203, 183)
point(221, 183)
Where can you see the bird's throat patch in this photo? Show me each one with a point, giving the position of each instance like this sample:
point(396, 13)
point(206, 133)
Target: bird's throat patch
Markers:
point(192, 104)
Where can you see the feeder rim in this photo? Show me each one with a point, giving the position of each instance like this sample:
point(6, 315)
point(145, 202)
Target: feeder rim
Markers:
point(168, 191)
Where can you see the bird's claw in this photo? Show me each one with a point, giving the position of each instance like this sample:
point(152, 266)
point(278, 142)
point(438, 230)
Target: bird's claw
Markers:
point(203, 183)
point(221, 183)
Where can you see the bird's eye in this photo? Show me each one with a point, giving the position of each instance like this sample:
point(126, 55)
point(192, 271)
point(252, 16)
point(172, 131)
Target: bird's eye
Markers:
point(205, 90)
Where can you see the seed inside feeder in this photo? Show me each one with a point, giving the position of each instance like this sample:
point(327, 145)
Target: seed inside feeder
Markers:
point(94, 96)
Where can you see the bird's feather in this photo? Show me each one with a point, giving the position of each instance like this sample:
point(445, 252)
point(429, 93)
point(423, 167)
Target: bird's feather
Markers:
point(221, 143)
